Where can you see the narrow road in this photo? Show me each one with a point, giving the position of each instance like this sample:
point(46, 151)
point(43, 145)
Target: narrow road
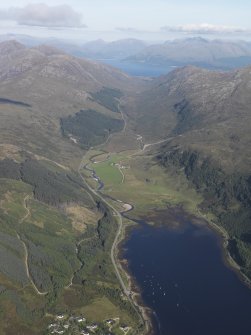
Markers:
point(117, 213)
point(27, 268)
point(123, 175)
point(155, 143)
point(27, 197)
point(138, 309)
point(26, 255)
point(123, 118)
point(119, 231)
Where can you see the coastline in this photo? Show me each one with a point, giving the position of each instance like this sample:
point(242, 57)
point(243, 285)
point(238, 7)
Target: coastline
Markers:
point(221, 233)
point(212, 235)
point(146, 312)
point(227, 258)
point(223, 240)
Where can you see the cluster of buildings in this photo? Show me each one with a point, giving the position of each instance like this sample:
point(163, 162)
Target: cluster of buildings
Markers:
point(121, 166)
point(64, 325)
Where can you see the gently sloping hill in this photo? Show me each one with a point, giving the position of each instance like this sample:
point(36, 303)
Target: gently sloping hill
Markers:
point(89, 128)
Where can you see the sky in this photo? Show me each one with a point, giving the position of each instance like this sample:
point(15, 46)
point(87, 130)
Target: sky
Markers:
point(150, 20)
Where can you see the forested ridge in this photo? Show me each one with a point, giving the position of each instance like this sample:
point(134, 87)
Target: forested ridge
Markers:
point(89, 127)
point(108, 98)
point(227, 196)
point(51, 187)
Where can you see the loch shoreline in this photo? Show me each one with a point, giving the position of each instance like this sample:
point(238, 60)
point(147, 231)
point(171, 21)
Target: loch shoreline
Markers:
point(136, 294)
point(196, 220)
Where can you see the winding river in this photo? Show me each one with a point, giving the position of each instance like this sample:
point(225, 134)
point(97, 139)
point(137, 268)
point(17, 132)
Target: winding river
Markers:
point(183, 279)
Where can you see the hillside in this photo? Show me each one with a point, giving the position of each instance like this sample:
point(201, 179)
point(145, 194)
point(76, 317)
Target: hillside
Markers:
point(206, 118)
point(56, 237)
point(204, 110)
point(196, 51)
point(52, 85)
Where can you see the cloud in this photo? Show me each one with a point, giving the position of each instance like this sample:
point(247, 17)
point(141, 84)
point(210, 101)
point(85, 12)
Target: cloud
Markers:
point(43, 15)
point(204, 28)
point(129, 30)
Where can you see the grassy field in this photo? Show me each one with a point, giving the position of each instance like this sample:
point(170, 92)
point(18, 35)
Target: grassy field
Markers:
point(108, 172)
point(145, 184)
point(102, 308)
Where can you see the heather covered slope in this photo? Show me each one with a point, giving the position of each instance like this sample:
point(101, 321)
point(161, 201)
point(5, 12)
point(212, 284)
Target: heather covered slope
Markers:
point(203, 110)
point(50, 85)
point(206, 118)
point(52, 231)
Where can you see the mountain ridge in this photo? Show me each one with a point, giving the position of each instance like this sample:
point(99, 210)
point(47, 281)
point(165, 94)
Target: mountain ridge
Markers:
point(190, 100)
point(55, 85)
point(196, 51)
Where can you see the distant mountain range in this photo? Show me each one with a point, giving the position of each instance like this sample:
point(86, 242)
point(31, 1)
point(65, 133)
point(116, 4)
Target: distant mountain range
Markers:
point(212, 54)
point(196, 51)
point(98, 49)
point(113, 50)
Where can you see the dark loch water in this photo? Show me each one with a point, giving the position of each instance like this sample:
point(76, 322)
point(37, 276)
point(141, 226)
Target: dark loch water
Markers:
point(140, 70)
point(184, 280)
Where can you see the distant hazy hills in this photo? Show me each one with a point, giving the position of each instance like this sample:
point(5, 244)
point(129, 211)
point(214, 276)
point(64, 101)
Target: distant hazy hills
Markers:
point(98, 49)
point(196, 51)
point(114, 50)
point(216, 54)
